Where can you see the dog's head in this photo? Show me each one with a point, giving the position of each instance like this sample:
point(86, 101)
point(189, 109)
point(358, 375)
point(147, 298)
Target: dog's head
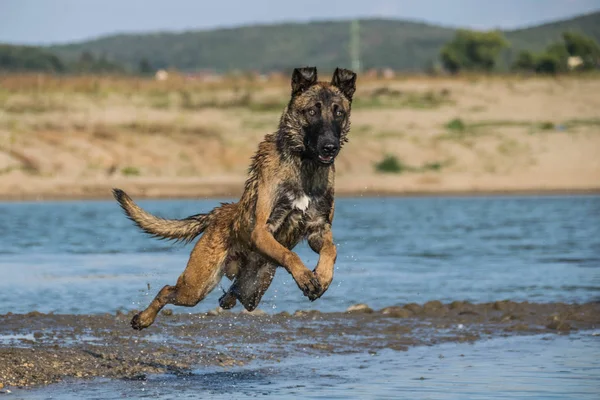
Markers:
point(317, 120)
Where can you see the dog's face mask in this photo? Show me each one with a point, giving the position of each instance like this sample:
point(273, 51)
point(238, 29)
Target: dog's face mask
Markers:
point(322, 111)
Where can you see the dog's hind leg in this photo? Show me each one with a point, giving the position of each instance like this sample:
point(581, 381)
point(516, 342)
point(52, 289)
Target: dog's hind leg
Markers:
point(203, 272)
point(249, 286)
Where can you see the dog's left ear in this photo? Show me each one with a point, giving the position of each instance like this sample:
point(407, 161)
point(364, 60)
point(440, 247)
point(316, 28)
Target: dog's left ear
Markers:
point(345, 80)
point(302, 79)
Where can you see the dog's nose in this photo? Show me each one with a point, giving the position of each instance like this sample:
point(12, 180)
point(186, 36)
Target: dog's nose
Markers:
point(329, 149)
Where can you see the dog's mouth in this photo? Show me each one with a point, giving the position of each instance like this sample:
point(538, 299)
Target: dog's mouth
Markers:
point(326, 159)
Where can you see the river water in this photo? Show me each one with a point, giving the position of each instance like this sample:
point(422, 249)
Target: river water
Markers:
point(85, 257)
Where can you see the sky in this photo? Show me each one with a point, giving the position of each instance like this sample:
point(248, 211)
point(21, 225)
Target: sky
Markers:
point(62, 21)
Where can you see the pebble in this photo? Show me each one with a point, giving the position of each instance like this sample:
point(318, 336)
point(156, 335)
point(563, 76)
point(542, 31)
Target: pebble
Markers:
point(456, 304)
point(257, 312)
point(359, 308)
point(414, 307)
point(396, 312)
point(432, 306)
point(215, 312)
point(34, 314)
point(303, 313)
point(507, 317)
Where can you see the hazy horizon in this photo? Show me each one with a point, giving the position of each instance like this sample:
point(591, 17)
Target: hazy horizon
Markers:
point(64, 21)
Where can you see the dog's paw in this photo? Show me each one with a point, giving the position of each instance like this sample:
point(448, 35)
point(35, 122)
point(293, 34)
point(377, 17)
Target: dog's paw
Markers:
point(324, 282)
point(227, 301)
point(137, 324)
point(309, 284)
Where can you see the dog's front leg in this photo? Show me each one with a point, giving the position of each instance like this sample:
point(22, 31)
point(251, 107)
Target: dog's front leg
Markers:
point(269, 247)
point(321, 242)
point(266, 244)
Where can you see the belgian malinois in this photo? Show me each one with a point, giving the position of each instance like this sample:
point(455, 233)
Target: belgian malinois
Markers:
point(288, 197)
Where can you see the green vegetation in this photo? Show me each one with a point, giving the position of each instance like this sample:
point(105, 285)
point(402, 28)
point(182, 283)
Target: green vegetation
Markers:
point(547, 126)
point(27, 58)
point(579, 45)
point(145, 68)
point(130, 171)
point(472, 51)
point(525, 61)
point(554, 59)
point(87, 63)
point(458, 129)
point(396, 44)
point(456, 125)
point(573, 123)
point(400, 45)
point(35, 59)
point(432, 166)
point(392, 164)
point(537, 38)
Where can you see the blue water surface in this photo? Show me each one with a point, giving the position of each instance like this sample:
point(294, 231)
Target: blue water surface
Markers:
point(86, 257)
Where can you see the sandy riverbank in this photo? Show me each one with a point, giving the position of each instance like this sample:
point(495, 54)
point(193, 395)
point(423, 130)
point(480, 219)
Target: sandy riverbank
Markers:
point(76, 138)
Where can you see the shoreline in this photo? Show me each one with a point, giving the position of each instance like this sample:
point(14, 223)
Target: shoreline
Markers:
point(232, 189)
point(41, 349)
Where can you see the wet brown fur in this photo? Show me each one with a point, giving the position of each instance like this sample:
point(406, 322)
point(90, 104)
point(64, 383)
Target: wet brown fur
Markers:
point(288, 197)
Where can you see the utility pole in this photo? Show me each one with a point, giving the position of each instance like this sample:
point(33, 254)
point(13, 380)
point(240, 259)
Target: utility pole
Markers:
point(355, 45)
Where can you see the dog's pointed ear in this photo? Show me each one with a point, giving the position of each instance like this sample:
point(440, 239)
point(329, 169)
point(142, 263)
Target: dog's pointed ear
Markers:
point(345, 80)
point(302, 79)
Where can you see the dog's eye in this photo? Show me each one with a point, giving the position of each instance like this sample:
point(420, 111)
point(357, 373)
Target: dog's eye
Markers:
point(312, 112)
point(338, 113)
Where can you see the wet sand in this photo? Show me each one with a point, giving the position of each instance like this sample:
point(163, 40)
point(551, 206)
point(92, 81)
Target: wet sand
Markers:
point(39, 349)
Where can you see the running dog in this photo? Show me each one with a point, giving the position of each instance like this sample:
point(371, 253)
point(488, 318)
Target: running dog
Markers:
point(288, 196)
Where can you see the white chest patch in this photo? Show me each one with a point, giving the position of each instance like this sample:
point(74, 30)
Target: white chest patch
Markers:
point(301, 203)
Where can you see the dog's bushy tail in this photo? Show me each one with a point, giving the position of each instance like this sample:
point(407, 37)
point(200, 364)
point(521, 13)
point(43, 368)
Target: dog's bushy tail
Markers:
point(184, 230)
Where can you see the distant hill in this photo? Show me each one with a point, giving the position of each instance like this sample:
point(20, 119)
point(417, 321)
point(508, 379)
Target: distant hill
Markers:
point(538, 37)
point(397, 44)
point(401, 45)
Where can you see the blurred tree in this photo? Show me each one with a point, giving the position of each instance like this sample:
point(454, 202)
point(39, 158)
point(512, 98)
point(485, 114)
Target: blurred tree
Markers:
point(144, 67)
point(473, 51)
point(384, 43)
point(25, 58)
point(88, 64)
point(525, 61)
point(579, 45)
point(86, 58)
point(554, 60)
point(84, 63)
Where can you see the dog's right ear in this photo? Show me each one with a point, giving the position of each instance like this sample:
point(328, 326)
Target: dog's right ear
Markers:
point(302, 79)
point(345, 80)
